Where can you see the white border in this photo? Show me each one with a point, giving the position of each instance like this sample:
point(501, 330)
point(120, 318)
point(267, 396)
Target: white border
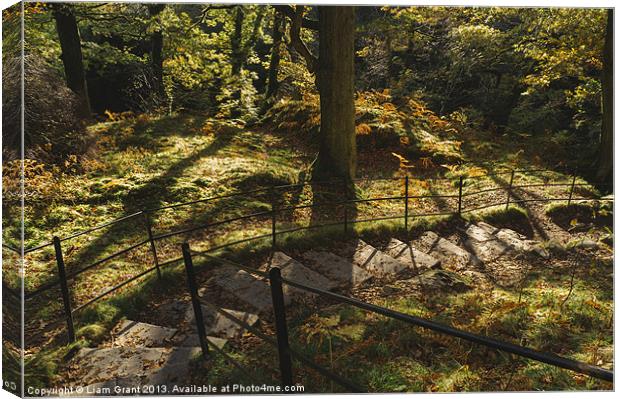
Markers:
point(522, 3)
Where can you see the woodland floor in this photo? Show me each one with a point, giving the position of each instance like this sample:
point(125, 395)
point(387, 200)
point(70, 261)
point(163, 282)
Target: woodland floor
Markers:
point(148, 162)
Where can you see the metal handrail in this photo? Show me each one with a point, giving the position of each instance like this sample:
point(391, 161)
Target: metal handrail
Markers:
point(559, 361)
point(295, 353)
point(275, 233)
point(116, 287)
point(7, 246)
point(285, 351)
point(207, 225)
point(263, 189)
point(106, 259)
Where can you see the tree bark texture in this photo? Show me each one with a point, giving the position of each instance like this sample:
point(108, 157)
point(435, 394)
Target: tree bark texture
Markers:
point(274, 61)
point(69, 37)
point(157, 48)
point(235, 42)
point(606, 156)
point(337, 152)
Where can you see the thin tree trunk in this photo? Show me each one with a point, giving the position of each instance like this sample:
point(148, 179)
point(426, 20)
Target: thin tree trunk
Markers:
point(157, 47)
point(337, 151)
point(69, 37)
point(274, 61)
point(235, 42)
point(606, 160)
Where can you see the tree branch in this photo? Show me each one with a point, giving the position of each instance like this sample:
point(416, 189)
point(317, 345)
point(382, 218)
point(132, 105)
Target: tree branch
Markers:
point(205, 11)
point(312, 62)
point(305, 22)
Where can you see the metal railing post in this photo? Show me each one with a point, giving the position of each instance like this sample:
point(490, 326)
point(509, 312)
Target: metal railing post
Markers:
point(572, 188)
point(149, 230)
point(193, 291)
point(273, 224)
point(406, 203)
point(64, 289)
point(346, 206)
point(284, 354)
point(460, 194)
point(512, 177)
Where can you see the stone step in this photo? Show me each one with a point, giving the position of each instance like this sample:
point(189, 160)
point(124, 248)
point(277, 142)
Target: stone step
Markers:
point(246, 287)
point(216, 324)
point(481, 232)
point(499, 242)
point(191, 340)
point(370, 258)
point(129, 333)
point(448, 252)
point(295, 271)
point(410, 256)
point(342, 271)
point(135, 334)
point(485, 245)
point(152, 366)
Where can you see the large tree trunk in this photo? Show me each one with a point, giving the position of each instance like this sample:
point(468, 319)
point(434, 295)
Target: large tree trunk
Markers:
point(69, 37)
point(274, 61)
point(337, 151)
point(157, 47)
point(606, 156)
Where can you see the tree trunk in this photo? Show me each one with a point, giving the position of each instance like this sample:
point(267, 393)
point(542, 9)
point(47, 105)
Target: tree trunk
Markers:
point(69, 37)
point(337, 151)
point(274, 61)
point(235, 42)
point(157, 47)
point(606, 156)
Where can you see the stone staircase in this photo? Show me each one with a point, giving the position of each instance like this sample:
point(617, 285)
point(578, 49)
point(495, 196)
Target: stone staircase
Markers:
point(141, 353)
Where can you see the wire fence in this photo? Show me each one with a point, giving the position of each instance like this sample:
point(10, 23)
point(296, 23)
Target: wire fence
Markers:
point(446, 197)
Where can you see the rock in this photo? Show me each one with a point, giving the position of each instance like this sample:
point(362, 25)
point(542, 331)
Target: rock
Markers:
point(440, 280)
point(218, 325)
point(371, 259)
point(484, 244)
point(409, 255)
point(191, 340)
point(445, 250)
point(136, 334)
point(292, 270)
point(488, 228)
point(489, 250)
point(506, 241)
point(246, 287)
point(480, 233)
point(586, 244)
point(335, 268)
point(148, 365)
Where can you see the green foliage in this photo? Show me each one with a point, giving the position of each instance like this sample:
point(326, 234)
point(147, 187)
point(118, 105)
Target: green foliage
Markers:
point(295, 116)
point(500, 216)
point(569, 216)
point(438, 87)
